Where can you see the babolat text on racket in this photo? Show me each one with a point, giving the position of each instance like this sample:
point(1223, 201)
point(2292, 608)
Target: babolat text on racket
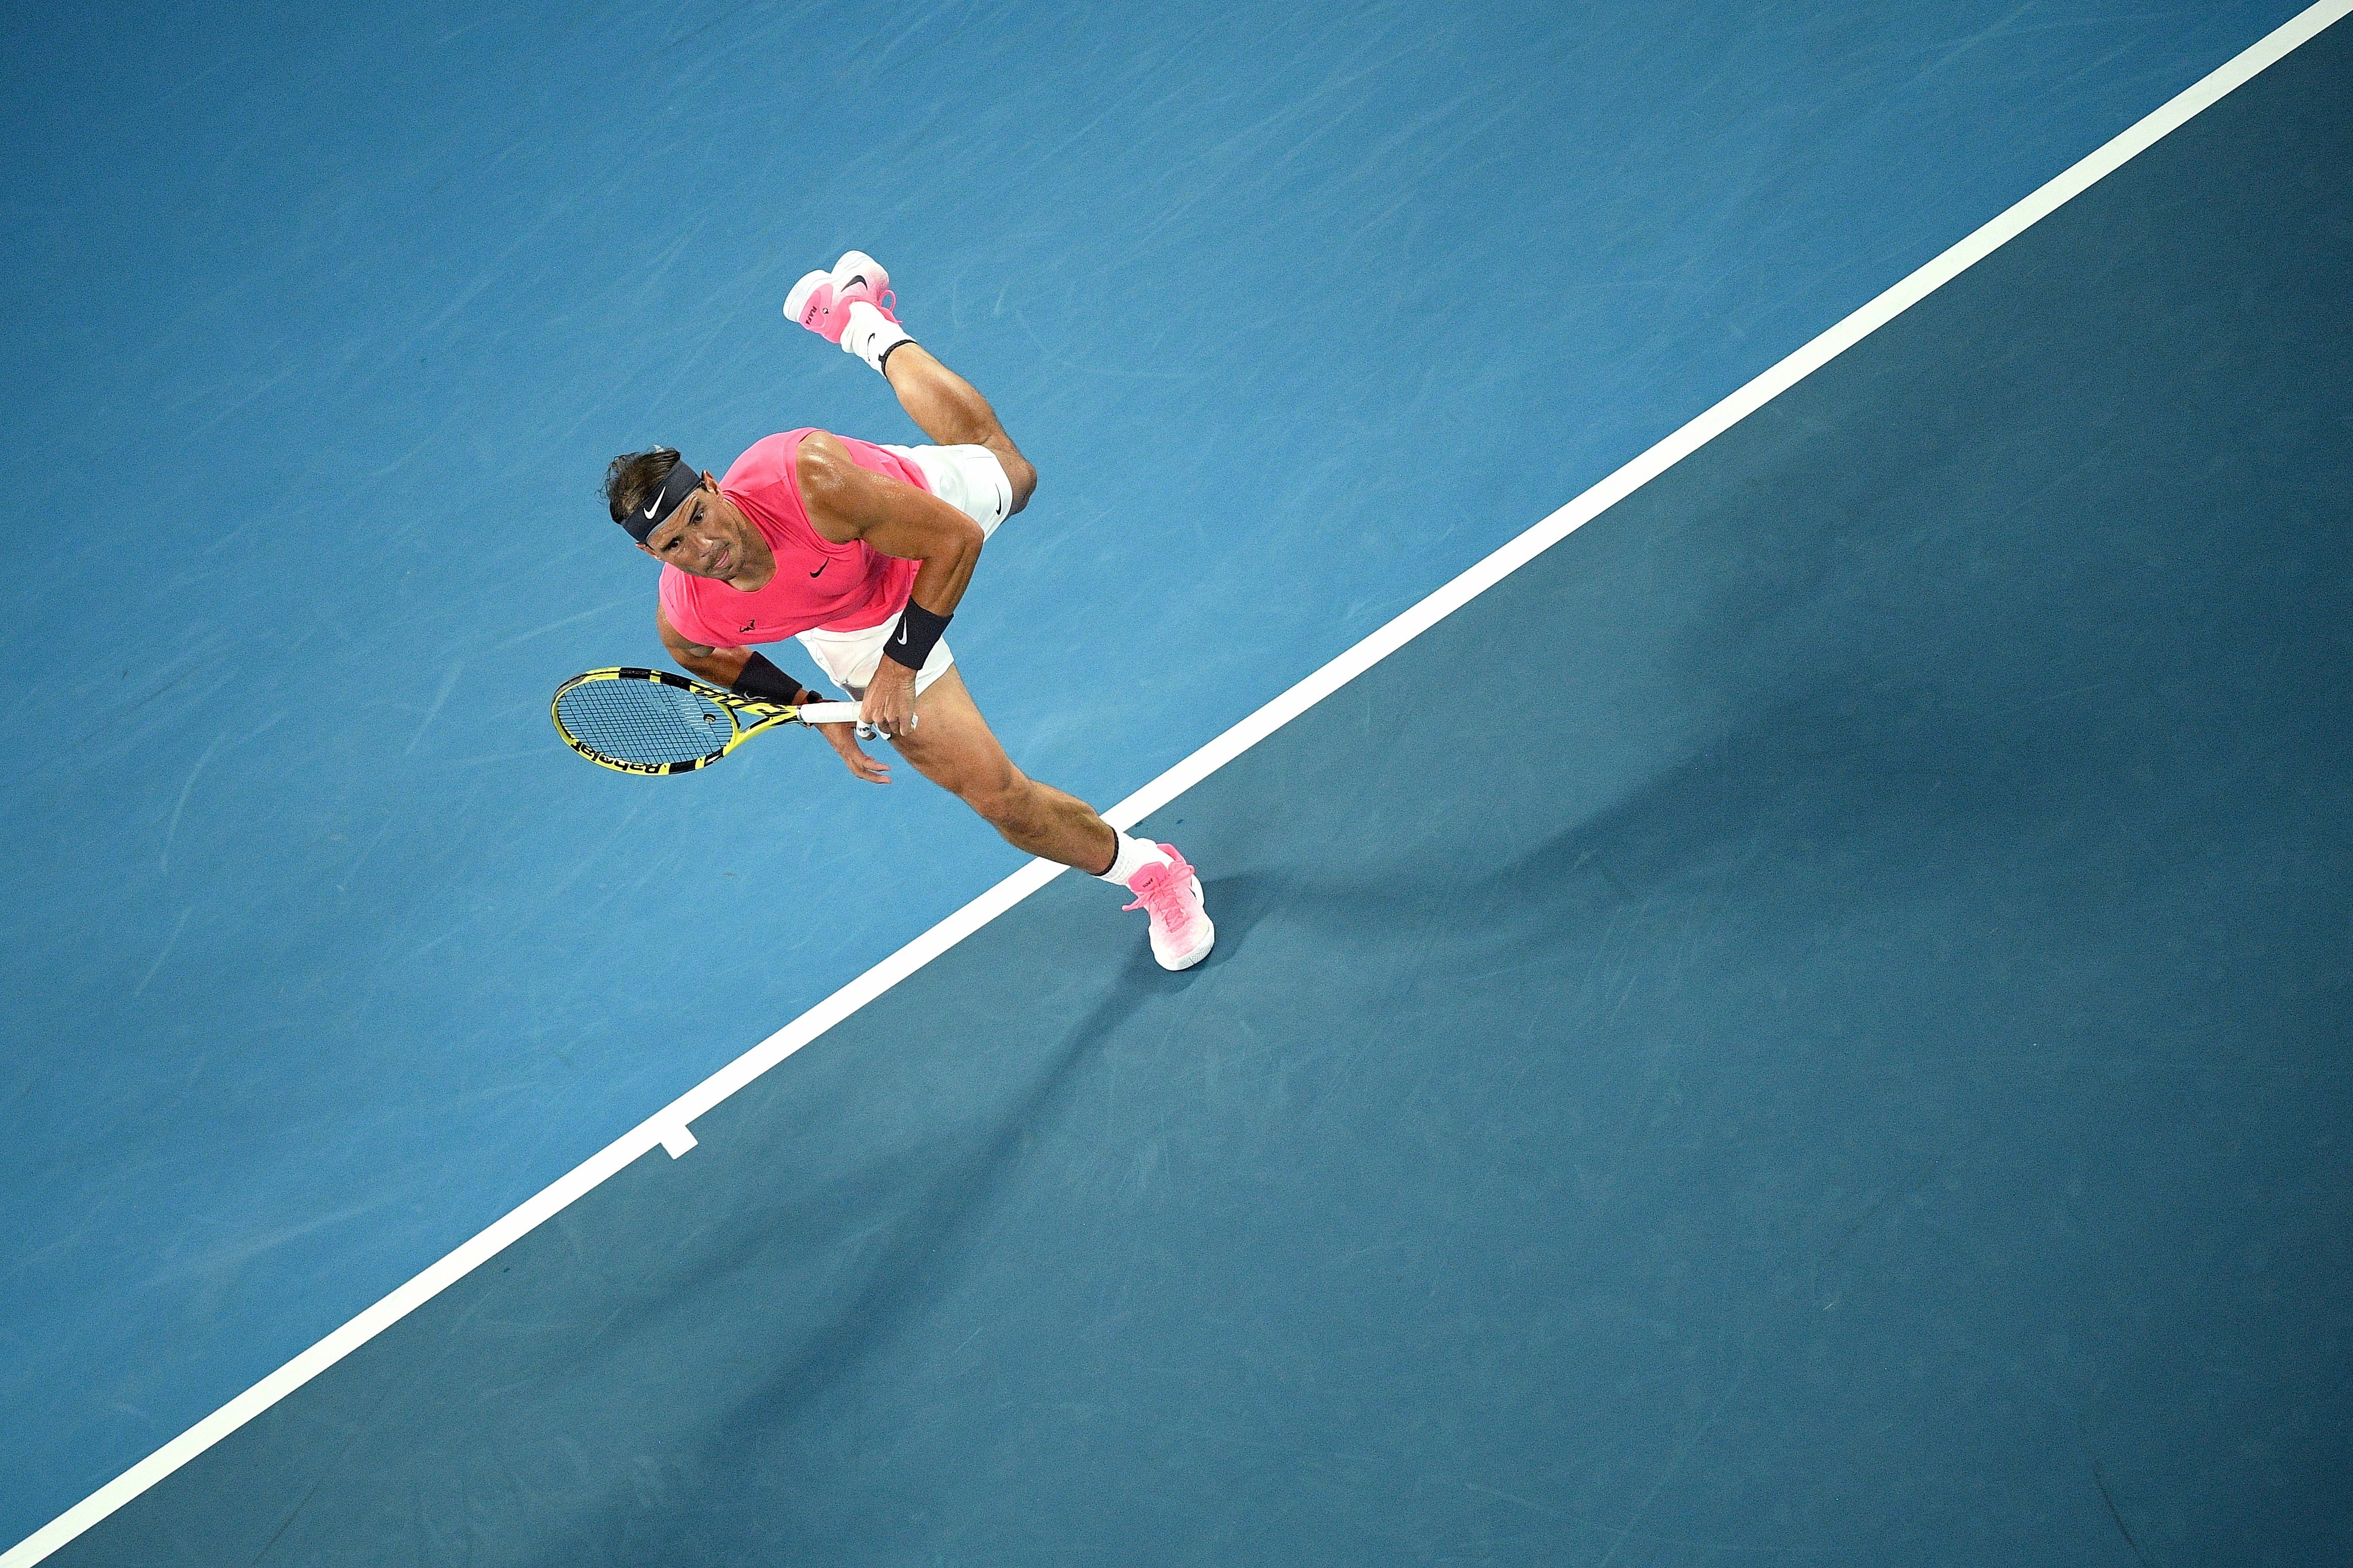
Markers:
point(652, 722)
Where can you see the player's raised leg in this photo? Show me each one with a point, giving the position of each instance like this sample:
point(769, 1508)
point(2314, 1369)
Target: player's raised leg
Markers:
point(952, 413)
point(853, 306)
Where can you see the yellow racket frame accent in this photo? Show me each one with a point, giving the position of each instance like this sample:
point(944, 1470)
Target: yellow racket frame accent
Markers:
point(749, 718)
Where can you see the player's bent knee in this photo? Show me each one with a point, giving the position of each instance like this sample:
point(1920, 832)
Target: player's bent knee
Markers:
point(1004, 805)
point(993, 795)
point(1021, 474)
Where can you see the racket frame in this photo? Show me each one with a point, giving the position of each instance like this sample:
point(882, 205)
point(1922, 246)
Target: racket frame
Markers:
point(761, 716)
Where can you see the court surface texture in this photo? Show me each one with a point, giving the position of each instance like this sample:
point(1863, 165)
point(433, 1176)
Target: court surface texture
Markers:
point(1806, 1024)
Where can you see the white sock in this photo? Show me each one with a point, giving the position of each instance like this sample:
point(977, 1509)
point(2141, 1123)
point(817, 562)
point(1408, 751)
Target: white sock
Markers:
point(1135, 855)
point(872, 334)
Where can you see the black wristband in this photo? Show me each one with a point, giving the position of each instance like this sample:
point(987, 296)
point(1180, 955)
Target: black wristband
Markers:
point(763, 682)
point(919, 629)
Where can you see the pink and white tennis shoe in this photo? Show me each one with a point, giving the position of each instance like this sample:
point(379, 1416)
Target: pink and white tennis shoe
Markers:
point(821, 301)
point(1171, 896)
point(850, 307)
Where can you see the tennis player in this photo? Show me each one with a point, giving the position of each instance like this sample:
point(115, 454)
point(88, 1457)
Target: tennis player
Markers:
point(864, 552)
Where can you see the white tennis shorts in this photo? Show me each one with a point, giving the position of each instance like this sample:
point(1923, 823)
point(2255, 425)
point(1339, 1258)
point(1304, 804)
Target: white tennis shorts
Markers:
point(968, 479)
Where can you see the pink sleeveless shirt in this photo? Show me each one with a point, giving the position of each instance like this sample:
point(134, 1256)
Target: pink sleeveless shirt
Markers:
point(818, 583)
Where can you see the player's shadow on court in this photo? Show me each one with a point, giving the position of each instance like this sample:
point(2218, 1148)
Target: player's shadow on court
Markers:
point(1852, 789)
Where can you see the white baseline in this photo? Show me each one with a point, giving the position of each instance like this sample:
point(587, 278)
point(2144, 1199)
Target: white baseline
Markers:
point(667, 1127)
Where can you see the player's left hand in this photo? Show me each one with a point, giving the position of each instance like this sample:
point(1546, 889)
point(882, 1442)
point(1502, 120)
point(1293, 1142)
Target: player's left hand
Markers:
point(889, 705)
point(844, 740)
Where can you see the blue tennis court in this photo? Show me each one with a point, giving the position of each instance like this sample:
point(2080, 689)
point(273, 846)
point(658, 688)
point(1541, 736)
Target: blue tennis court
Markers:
point(1804, 1023)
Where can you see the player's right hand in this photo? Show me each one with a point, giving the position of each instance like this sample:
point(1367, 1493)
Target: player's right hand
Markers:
point(843, 738)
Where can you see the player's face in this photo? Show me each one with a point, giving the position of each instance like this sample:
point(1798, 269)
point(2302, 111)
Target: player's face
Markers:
point(706, 536)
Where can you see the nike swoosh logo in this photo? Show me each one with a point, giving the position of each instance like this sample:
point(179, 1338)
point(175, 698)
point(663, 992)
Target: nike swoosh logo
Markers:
point(902, 630)
point(750, 624)
point(820, 571)
point(655, 502)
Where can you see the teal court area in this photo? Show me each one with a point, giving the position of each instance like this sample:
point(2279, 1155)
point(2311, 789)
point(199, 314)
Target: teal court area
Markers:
point(1804, 1024)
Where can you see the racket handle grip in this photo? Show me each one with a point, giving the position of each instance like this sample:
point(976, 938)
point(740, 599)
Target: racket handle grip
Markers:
point(829, 712)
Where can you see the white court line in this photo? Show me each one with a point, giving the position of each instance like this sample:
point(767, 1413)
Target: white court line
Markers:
point(670, 1121)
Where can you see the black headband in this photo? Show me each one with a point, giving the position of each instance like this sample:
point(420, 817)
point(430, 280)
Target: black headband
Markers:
point(683, 482)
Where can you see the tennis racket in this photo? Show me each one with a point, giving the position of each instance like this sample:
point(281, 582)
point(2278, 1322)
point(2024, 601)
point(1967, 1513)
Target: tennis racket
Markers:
point(652, 722)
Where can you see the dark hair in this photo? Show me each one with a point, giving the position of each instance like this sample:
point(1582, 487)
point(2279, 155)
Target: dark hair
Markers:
point(635, 476)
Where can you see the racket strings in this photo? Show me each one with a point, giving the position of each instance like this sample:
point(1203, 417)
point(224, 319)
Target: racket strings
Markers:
point(643, 721)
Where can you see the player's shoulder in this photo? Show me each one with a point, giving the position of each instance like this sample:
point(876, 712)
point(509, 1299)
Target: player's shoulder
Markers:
point(826, 465)
point(766, 461)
